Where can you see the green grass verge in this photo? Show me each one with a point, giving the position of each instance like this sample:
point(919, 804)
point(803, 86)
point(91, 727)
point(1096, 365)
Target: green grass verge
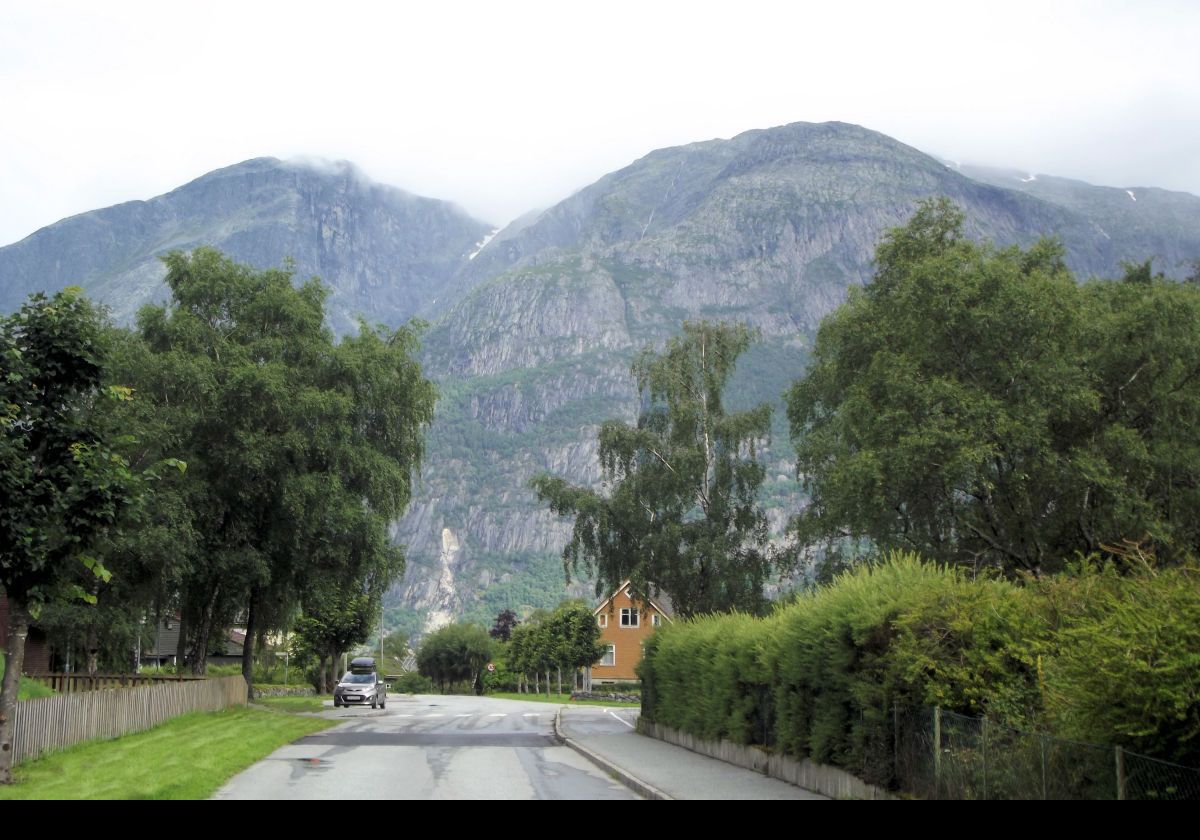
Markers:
point(294, 705)
point(185, 758)
point(561, 699)
point(28, 689)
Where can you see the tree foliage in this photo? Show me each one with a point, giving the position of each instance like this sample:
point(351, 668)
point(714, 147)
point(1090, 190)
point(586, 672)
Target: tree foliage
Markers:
point(62, 484)
point(455, 654)
point(303, 449)
point(565, 639)
point(502, 629)
point(681, 512)
point(979, 406)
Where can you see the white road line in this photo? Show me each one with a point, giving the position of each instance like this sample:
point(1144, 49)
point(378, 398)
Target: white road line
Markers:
point(627, 723)
point(402, 715)
point(498, 714)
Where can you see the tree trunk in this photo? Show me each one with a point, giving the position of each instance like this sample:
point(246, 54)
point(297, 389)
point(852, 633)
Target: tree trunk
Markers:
point(181, 645)
point(248, 642)
point(93, 649)
point(199, 656)
point(18, 630)
point(559, 680)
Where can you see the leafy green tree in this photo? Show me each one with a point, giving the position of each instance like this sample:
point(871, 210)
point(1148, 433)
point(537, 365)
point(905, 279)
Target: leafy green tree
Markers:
point(574, 638)
point(304, 450)
point(979, 406)
point(457, 653)
point(682, 515)
point(63, 485)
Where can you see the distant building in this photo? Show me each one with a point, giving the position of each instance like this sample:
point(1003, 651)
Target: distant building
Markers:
point(626, 621)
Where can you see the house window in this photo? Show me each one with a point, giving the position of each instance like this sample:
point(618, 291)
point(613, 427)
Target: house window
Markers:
point(656, 620)
point(629, 617)
point(610, 656)
point(602, 619)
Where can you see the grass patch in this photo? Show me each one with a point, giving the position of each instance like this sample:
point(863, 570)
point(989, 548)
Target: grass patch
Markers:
point(294, 705)
point(185, 758)
point(561, 699)
point(27, 689)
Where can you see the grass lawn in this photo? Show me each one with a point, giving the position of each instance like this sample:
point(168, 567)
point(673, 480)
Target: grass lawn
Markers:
point(561, 699)
point(28, 689)
point(185, 758)
point(303, 703)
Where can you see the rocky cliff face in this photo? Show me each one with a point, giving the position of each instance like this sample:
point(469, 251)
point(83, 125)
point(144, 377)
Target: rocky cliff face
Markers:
point(384, 253)
point(769, 228)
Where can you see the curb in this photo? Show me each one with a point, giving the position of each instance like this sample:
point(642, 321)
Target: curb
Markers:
point(623, 776)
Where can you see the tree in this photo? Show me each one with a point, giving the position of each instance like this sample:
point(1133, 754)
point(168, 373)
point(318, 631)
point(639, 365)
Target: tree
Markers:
point(575, 638)
point(457, 653)
point(62, 484)
point(682, 514)
point(506, 621)
point(303, 449)
point(977, 405)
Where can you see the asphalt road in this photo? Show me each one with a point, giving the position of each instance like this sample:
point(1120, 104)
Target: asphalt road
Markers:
point(430, 747)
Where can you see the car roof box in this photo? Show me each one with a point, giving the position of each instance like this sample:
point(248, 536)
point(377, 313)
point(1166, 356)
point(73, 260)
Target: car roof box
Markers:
point(362, 665)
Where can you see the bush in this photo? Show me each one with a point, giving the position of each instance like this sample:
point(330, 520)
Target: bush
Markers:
point(1095, 655)
point(412, 683)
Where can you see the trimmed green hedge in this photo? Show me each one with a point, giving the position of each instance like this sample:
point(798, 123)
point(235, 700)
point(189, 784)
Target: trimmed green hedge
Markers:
point(1095, 655)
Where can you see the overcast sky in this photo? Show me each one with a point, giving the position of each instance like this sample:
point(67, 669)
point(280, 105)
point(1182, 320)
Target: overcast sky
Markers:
point(506, 106)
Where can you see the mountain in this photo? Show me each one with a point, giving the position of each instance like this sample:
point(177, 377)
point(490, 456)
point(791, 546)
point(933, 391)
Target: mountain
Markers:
point(383, 252)
point(1147, 221)
point(533, 344)
point(534, 326)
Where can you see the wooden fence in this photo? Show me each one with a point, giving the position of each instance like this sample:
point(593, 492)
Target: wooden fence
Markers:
point(66, 683)
point(54, 723)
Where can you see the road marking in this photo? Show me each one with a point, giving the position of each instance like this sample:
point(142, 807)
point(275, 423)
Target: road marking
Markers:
point(403, 715)
point(627, 723)
point(462, 715)
point(531, 714)
point(498, 714)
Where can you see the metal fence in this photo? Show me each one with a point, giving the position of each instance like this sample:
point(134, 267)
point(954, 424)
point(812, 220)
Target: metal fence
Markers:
point(53, 723)
point(942, 755)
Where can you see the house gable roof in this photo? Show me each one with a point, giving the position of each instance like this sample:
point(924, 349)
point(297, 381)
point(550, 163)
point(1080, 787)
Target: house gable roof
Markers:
point(662, 603)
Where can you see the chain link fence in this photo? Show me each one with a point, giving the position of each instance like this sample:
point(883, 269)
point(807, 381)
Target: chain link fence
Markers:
point(942, 755)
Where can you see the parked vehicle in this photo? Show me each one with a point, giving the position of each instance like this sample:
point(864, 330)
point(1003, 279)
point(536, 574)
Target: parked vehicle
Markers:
point(361, 685)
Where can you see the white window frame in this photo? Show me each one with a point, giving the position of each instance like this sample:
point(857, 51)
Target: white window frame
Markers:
point(612, 651)
point(602, 620)
point(655, 620)
point(631, 618)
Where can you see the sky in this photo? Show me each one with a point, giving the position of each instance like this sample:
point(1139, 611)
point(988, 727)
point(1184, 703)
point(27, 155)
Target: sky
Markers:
point(506, 107)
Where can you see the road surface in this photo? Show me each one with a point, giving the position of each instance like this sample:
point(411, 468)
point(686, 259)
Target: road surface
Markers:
point(430, 747)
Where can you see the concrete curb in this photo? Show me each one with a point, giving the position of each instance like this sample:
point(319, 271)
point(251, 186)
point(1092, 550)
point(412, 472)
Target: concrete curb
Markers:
point(624, 777)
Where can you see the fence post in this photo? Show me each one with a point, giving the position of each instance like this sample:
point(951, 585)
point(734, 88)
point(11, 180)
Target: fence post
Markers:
point(937, 750)
point(1042, 739)
point(1120, 774)
point(983, 737)
point(895, 743)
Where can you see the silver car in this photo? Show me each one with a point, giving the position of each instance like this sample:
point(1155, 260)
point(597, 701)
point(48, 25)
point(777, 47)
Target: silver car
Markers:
point(358, 687)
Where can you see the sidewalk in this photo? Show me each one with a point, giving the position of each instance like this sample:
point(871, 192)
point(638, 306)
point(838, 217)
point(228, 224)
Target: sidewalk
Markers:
point(659, 770)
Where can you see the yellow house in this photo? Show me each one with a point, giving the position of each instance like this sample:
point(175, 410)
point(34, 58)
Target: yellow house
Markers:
point(626, 622)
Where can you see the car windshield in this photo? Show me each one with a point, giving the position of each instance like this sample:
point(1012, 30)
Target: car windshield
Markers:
point(359, 679)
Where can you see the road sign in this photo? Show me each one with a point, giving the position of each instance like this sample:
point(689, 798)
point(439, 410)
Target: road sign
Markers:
point(491, 667)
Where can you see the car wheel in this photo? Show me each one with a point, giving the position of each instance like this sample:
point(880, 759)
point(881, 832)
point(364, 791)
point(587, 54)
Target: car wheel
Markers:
point(374, 703)
point(383, 703)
